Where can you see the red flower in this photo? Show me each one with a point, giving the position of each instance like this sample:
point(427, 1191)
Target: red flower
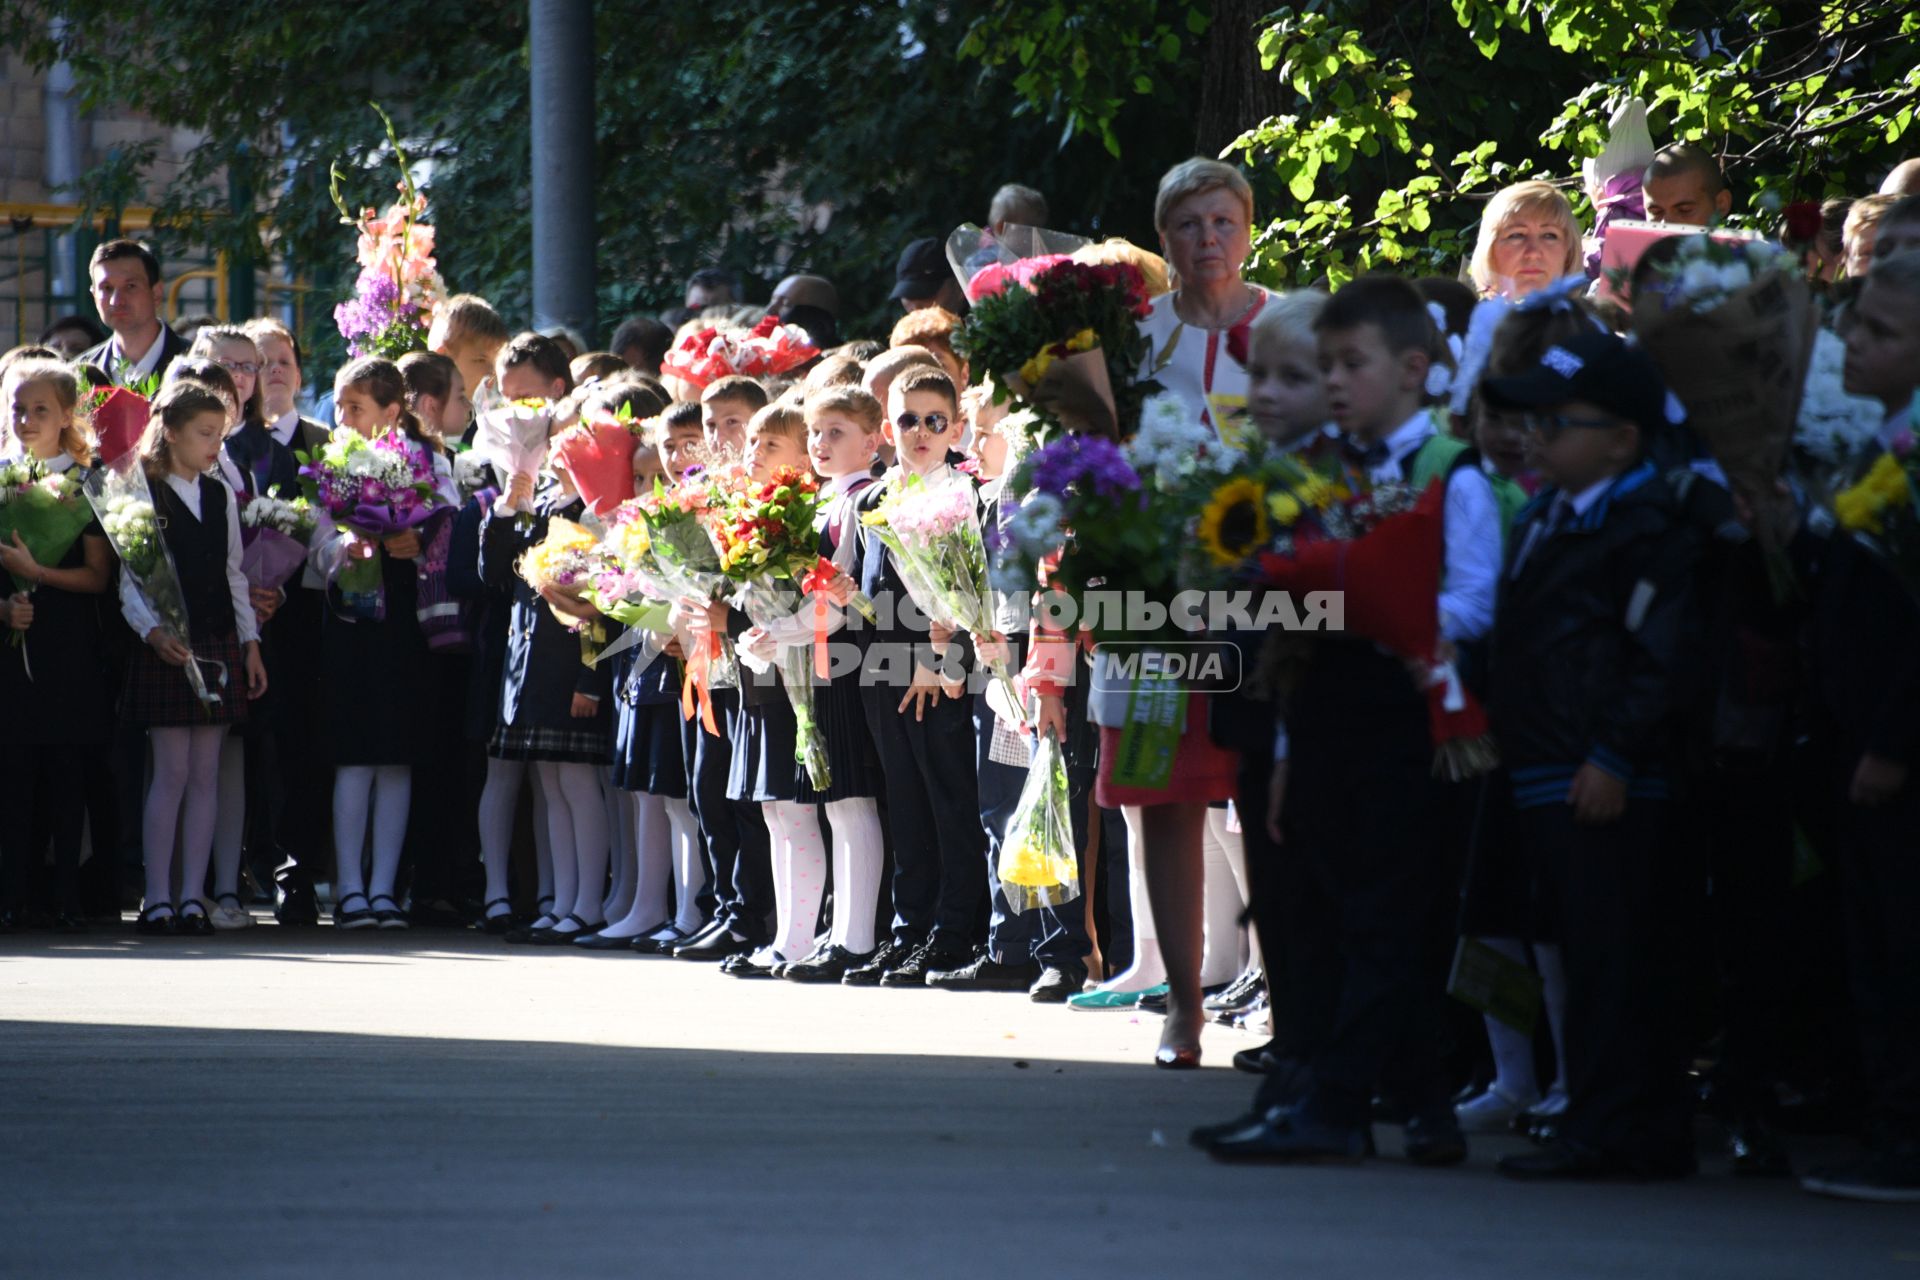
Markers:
point(1803, 222)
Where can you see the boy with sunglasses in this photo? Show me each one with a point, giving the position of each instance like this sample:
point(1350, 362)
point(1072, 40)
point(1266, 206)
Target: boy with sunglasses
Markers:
point(921, 725)
point(1595, 603)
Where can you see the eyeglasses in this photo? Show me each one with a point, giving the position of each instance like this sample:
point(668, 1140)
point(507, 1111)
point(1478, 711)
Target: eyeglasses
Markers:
point(932, 424)
point(1550, 425)
point(240, 366)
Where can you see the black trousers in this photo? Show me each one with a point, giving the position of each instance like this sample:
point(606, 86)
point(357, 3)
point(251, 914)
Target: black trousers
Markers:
point(443, 828)
point(1620, 899)
point(739, 852)
point(1362, 875)
point(305, 828)
point(43, 804)
point(1880, 895)
point(933, 817)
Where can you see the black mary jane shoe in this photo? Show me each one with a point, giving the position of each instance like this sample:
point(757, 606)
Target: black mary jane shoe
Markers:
point(192, 920)
point(155, 925)
point(555, 936)
point(496, 925)
point(600, 942)
point(657, 942)
point(389, 916)
point(351, 917)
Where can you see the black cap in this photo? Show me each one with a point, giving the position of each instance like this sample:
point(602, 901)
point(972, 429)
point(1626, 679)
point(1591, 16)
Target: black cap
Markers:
point(1596, 367)
point(922, 270)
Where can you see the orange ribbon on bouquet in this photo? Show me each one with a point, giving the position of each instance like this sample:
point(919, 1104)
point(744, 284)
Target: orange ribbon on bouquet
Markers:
point(693, 689)
point(815, 584)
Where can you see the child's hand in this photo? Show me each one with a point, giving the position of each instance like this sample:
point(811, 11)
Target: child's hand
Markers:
point(19, 610)
point(581, 610)
point(1597, 797)
point(168, 649)
point(941, 634)
point(584, 706)
point(403, 546)
point(256, 671)
point(1050, 716)
point(922, 693)
point(839, 589)
point(992, 649)
point(359, 548)
point(1876, 780)
point(674, 649)
point(16, 559)
point(1276, 800)
point(519, 491)
point(266, 603)
point(757, 641)
point(702, 617)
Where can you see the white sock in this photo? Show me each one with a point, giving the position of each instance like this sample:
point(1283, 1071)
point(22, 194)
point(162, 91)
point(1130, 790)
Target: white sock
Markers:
point(577, 827)
point(1513, 1072)
point(1147, 969)
point(799, 875)
point(352, 796)
point(230, 823)
point(622, 819)
point(498, 799)
point(1222, 959)
point(689, 864)
point(392, 798)
point(645, 817)
point(1553, 978)
point(858, 854)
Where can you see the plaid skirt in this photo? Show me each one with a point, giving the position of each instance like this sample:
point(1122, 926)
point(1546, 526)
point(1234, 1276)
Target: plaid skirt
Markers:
point(159, 695)
point(563, 746)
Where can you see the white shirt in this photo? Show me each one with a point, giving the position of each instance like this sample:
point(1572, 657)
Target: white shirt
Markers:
point(286, 428)
point(1473, 543)
point(1193, 363)
point(140, 614)
point(138, 369)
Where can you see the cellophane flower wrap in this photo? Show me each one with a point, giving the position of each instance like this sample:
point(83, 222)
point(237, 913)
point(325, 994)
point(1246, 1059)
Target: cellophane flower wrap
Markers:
point(932, 527)
point(628, 586)
point(118, 416)
point(123, 501)
point(688, 562)
point(598, 455)
point(275, 533)
point(765, 533)
point(1038, 867)
point(375, 488)
point(47, 509)
point(1732, 325)
point(768, 350)
point(515, 436)
point(1065, 342)
point(1883, 507)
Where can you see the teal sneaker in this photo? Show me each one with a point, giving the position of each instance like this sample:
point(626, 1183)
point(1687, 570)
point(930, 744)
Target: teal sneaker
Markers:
point(1103, 1001)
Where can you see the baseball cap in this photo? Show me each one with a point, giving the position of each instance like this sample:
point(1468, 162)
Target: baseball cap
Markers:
point(1596, 367)
point(922, 269)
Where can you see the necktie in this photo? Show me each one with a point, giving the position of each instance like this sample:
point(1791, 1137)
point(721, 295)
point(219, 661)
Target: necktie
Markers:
point(1368, 456)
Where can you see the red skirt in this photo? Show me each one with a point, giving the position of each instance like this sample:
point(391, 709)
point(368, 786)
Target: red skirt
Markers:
point(159, 695)
point(1203, 773)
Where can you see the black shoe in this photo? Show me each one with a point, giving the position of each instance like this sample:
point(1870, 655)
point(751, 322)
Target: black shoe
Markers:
point(1243, 991)
point(1155, 1001)
point(889, 954)
point(714, 943)
point(348, 917)
point(1434, 1139)
point(558, 937)
point(296, 907)
point(1055, 984)
point(191, 919)
point(983, 973)
point(1205, 1135)
point(658, 942)
point(1290, 1138)
point(1262, 1061)
point(152, 923)
point(389, 916)
point(522, 934)
point(741, 964)
point(924, 959)
point(495, 924)
point(831, 964)
point(601, 942)
point(1570, 1162)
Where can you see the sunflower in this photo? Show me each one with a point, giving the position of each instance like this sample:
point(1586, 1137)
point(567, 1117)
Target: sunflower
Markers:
point(1233, 524)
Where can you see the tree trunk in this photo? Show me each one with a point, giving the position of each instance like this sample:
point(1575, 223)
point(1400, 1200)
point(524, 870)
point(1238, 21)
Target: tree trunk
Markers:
point(1235, 92)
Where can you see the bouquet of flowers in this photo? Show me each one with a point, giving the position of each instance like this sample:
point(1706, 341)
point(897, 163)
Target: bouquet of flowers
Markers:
point(598, 455)
point(514, 437)
point(566, 561)
point(1835, 431)
point(123, 501)
point(276, 533)
point(1038, 866)
point(767, 350)
point(628, 586)
point(399, 284)
point(375, 488)
point(48, 510)
point(688, 563)
point(1064, 342)
point(1731, 325)
point(933, 530)
point(1884, 508)
point(119, 417)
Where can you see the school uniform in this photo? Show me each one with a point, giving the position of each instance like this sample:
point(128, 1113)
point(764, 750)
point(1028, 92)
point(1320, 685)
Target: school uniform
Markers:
point(374, 671)
point(647, 752)
point(200, 524)
point(739, 896)
point(297, 433)
point(58, 707)
point(930, 784)
point(1587, 668)
point(542, 667)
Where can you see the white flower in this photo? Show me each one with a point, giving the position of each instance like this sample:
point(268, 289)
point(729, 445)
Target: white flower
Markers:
point(1035, 524)
point(1833, 426)
point(1173, 441)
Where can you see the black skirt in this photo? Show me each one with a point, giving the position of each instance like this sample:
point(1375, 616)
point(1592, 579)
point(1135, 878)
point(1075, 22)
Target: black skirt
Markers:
point(764, 766)
point(378, 698)
point(54, 681)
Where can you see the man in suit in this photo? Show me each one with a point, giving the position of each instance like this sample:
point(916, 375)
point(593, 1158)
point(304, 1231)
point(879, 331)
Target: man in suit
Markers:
point(126, 291)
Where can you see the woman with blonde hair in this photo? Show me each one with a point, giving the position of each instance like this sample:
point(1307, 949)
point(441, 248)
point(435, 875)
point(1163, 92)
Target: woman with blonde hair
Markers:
point(1528, 240)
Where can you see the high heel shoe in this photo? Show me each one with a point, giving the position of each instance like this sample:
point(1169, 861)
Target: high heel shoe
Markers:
point(1177, 1057)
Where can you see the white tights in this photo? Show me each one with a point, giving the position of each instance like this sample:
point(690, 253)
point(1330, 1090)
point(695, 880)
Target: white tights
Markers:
point(1514, 1073)
point(186, 766)
point(666, 858)
point(230, 827)
point(622, 854)
point(498, 799)
point(858, 852)
point(1147, 969)
point(1226, 900)
point(799, 875)
point(577, 828)
point(386, 790)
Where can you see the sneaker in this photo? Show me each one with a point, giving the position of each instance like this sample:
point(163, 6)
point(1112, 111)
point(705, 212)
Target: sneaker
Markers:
point(1492, 1111)
point(890, 954)
point(1239, 994)
point(1888, 1177)
point(1057, 984)
point(228, 915)
point(1110, 1001)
